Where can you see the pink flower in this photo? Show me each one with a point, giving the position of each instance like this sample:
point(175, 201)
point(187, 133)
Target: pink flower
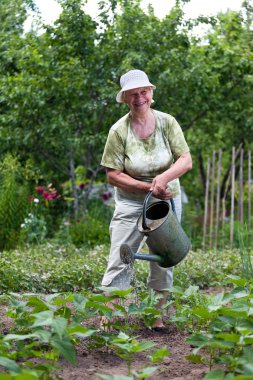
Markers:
point(48, 196)
point(40, 189)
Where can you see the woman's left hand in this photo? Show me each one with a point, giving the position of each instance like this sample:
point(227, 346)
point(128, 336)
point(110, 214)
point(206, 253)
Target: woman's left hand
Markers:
point(159, 190)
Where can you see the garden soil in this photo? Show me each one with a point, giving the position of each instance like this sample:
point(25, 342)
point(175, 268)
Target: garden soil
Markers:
point(101, 361)
point(91, 362)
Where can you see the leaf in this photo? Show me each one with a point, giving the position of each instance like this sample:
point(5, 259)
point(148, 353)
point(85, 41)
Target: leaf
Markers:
point(81, 331)
point(192, 290)
point(133, 309)
point(237, 280)
point(201, 312)
point(99, 306)
point(236, 312)
point(197, 340)
point(158, 355)
point(122, 337)
point(145, 372)
point(151, 311)
point(237, 294)
point(100, 298)
point(248, 339)
point(197, 359)
point(66, 349)
point(59, 326)
point(19, 337)
point(115, 377)
point(25, 376)
point(143, 346)
point(116, 291)
point(44, 318)
point(216, 302)
point(9, 364)
point(235, 338)
point(245, 327)
point(64, 312)
point(216, 374)
point(44, 335)
point(38, 303)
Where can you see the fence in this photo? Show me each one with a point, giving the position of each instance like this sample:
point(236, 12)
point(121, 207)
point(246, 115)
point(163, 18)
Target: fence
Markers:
point(228, 199)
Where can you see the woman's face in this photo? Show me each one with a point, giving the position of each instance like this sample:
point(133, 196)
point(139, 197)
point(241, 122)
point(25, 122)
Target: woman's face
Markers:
point(138, 99)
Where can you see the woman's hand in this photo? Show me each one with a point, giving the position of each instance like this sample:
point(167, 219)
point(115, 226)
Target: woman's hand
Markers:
point(159, 184)
point(158, 188)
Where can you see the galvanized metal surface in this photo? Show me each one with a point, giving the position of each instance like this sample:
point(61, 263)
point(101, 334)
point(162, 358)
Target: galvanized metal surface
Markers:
point(166, 237)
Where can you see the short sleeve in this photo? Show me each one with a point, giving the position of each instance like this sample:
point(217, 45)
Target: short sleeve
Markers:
point(113, 155)
point(176, 139)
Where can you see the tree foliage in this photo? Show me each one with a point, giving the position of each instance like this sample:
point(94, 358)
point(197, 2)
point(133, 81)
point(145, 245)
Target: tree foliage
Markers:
point(58, 86)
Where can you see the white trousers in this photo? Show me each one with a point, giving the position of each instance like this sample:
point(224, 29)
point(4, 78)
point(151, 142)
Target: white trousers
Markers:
point(123, 229)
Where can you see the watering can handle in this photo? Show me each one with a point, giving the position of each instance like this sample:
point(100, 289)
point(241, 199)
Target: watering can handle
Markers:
point(173, 205)
point(144, 221)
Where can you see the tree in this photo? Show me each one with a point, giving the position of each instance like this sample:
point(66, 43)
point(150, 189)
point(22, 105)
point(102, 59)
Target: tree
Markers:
point(58, 94)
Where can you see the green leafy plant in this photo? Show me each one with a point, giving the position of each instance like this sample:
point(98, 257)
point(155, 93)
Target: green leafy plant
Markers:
point(37, 224)
point(207, 269)
point(145, 308)
point(228, 338)
point(185, 302)
point(51, 268)
point(126, 347)
point(13, 201)
point(89, 232)
point(41, 330)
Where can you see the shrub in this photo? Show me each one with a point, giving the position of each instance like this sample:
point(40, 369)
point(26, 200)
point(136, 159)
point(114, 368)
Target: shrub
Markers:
point(89, 233)
point(13, 202)
point(50, 268)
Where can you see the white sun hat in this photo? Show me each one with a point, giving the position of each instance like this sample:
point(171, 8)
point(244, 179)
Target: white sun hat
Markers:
point(133, 79)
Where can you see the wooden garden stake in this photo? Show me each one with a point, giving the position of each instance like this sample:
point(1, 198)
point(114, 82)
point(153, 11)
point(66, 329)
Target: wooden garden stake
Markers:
point(206, 205)
point(218, 200)
point(212, 202)
point(240, 202)
point(232, 198)
point(249, 191)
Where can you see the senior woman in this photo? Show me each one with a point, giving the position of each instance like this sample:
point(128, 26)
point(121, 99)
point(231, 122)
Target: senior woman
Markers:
point(145, 151)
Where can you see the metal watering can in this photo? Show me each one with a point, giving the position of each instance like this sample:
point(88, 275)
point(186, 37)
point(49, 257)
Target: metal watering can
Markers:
point(163, 234)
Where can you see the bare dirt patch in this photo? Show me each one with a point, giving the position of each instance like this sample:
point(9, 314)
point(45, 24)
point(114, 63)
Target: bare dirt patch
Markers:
point(101, 361)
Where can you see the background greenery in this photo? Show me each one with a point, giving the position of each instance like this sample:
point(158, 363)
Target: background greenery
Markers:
point(58, 84)
point(52, 268)
point(57, 102)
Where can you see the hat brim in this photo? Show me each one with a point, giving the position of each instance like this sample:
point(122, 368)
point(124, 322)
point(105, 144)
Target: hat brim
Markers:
point(132, 85)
